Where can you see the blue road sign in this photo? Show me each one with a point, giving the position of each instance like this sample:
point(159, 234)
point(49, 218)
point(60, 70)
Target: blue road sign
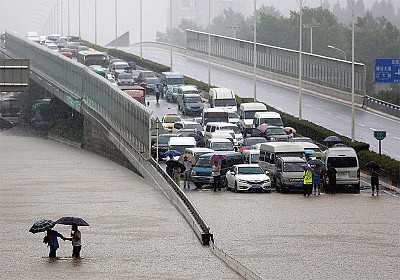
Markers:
point(387, 70)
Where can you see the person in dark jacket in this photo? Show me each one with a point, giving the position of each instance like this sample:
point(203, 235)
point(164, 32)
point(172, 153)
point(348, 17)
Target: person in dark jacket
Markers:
point(52, 241)
point(331, 173)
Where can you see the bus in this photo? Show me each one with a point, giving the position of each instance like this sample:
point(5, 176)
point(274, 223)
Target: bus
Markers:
point(10, 109)
point(92, 57)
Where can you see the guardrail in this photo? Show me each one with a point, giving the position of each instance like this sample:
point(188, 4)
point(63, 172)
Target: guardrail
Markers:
point(381, 106)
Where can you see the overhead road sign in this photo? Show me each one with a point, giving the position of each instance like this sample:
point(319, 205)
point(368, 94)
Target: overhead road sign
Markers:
point(387, 70)
point(14, 75)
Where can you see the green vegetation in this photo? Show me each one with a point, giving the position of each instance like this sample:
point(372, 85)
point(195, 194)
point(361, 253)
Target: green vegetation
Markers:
point(70, 129)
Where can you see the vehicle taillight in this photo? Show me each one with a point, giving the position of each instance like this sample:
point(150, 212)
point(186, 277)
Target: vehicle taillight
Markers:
point(358, 173)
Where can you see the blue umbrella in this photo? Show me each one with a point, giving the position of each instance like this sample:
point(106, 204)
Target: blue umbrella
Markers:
point(173, 153)
point(309, 152)
point(332, 138)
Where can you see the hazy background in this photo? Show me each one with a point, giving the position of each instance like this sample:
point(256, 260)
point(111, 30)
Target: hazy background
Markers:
point(33, 15)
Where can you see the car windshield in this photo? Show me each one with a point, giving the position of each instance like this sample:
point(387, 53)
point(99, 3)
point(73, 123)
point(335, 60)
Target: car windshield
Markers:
point(193, 100)
point(125, 76)
point(193, 126)
point(222, 146)
point(225, 102)
point(120, 66)
point(175, 81)
point(251, 142)
point(136, 73)
point(275, 131)
point(152, 80)
point(235, 128)
point(146, 74)
point(171, 119)
point(250, 170)
point(249, 114)
point(232, 115)
point(293, 166)
point(204, 162)
point(255, 158)
point(272, 121)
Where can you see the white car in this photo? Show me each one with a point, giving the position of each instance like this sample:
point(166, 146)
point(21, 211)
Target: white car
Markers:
point(247, 177)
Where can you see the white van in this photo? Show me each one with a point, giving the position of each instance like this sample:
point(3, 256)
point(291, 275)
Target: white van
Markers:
point(181, 143)
point(270, 118)
point(309, 146)
point(220, 144)
point(246, 114)
point(182, 90)
point(251, 156)
point(212, 127)
point(344, 159)
point(222, 97)
point(197, 152)
point(214, 115)
point(269, 152)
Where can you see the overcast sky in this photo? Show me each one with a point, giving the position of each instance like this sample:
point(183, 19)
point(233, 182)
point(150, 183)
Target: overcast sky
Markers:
point(33, 15)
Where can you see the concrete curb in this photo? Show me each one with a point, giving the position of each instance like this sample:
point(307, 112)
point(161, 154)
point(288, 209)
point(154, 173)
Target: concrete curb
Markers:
point(64, 141)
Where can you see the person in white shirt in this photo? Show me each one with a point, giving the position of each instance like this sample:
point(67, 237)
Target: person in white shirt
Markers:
point(186, 173)
point(76, 241)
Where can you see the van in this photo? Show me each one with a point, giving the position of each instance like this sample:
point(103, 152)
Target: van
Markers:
point(181, 143)
point(251, 156)
point(289, 174)
point(202, 169)
point(214, 115)
point(271, 151)
point(185, 90)
point(220, 144)
point(212, 127)
point(309, 146)
point(270, 118)
point(222, 97)
point(246, 115)
point(197, 152)
point(169, 79)
point(344, 159)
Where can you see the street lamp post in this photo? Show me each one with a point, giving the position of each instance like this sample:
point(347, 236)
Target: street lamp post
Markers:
point(95, 22)
point(209, 42)
point(340, 50)
point(170, 31)
point(69, 30)
point(116, 24)
point(301, 6)
point(311, 35)
point(79, 19)
point(255, 51)
point(352, 5)
point(141, 30)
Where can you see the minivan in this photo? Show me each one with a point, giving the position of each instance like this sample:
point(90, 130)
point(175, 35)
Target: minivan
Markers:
point(181, 143)
point(212, 127)
point(270, 118)
point(202, 169)
point(191, 104)
point(197, 152)
point(220, 144)
point(344, 159)
point(182, 90)
point(289, 174)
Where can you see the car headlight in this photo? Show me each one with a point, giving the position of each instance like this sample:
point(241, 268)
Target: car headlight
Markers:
point(193, 173)
point(242, 181)
point(272, 139)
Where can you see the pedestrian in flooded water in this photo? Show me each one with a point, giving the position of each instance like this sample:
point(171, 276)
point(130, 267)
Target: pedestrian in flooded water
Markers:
point(375, 181)
point(216, 173)
point(52, 241)
point(317, 179)
point(76, 241)
point(331, 173)
point(307, 181)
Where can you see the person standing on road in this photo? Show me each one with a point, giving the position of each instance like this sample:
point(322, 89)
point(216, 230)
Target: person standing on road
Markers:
point(177, 175)
point(375, 181)
point(317, 179)
point(76, 241)
point(169, 169)
point(52, 241)
point(157, 92)
point(307, 181)
point(216, 172)
point(331, 172)
point(186, 173)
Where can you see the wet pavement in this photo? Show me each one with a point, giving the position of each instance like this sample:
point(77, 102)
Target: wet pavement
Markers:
point(134, 232)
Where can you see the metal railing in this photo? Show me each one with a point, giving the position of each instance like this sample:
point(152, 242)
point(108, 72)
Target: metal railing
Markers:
point(382, 106)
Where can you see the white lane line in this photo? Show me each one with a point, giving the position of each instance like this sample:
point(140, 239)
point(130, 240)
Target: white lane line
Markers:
point(372, 128)
point(361, 125)
point(396, 137)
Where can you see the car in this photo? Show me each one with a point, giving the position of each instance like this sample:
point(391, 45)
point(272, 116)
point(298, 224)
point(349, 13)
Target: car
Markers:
point(135, 74)
point(247, 177)
point(275, 133)
point(186, 124)
point(172, 94)
point(163, 140)
point(62, 42)
point(65, 51)
point(125, 79)
point(118, 68)
point(145, 74)
point(149, 83)
point(168, 121)
point(52, 47)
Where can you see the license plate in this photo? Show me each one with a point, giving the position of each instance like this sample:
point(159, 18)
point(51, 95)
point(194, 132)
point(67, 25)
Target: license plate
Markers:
point(256, 187)
point(298, 185)
point(202, 178)
point(343, 174)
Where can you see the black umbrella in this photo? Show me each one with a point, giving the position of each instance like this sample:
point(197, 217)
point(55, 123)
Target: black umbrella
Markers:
point(332, 139)
point(72, 220)
point(175, 164)
point(307, 167)
point(42, 225)
point(315, 162)
point(374, 165)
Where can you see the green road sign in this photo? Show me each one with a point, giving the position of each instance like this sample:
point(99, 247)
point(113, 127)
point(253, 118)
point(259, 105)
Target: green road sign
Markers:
point(379, 135)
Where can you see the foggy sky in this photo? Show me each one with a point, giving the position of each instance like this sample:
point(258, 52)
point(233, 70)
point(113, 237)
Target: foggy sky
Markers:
point(33, 15)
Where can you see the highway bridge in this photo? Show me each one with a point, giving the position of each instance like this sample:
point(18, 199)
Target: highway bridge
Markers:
point(108, 112)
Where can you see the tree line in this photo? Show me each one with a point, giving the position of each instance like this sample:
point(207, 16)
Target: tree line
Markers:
point(375, 36)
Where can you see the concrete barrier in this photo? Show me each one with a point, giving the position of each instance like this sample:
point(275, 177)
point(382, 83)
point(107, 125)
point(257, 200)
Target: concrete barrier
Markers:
point(381, 106)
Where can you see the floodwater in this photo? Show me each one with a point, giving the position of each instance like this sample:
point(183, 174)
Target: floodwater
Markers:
point(134, 232)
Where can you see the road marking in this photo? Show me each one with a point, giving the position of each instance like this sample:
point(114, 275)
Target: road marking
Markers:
point(361, 125)
point(372, 128)
point(396, 137)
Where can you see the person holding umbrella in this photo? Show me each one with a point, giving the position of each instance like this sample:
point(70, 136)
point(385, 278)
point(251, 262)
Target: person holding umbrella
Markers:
point(375, 167)
point(76, 241)
point(216, 172)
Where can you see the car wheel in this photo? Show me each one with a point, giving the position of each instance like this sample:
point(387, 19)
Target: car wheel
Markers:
point(236, 188)
point(225, 184)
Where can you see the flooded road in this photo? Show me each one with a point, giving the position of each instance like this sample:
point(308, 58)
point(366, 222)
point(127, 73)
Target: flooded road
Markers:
point(134, 232)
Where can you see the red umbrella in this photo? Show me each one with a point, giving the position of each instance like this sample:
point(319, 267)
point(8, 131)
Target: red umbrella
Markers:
point(262, 127)
point(289, 129)
point(218, 157)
